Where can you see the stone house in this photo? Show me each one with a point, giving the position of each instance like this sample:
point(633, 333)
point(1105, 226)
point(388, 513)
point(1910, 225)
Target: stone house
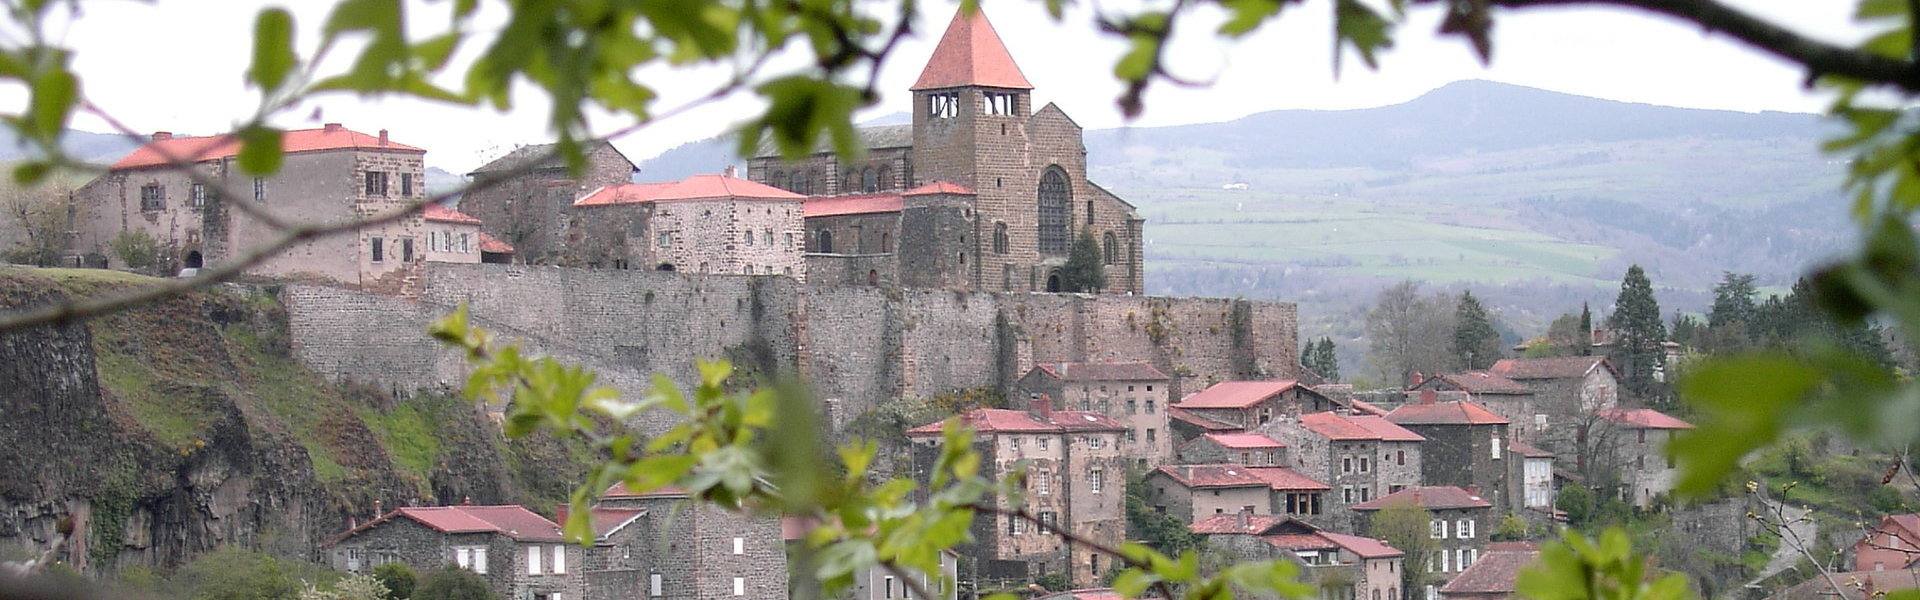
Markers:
point(455, 237)
point(1346, 567)
point(850, 239)
point(686, 549)
point(1496, 392)
point(1466, 446)
point(330, 174)
point(521, 554)
point(1023, 173)
point(1189, 424)
point(1250, 449)
point(702, 224)
point(1361, 457)
point(1494, 575)
point(879, 583)
point(1567, 392)
point(1133, 393)
point(1461, 522)
point(1076, 480)
point(1639, 445)
point(526, 197)
point(1250, 404)
point(1894, 544)
point(1855, 585)
point(1536, 476)
point(1195, 492)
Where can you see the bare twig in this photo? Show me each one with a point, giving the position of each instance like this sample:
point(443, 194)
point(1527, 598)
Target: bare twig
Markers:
point(1165, 589)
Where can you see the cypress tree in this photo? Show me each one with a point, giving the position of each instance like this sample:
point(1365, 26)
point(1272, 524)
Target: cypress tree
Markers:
point(1639, 331)
point(1475, 343)
point(1585, 340)
point(1083, 272)
point(1329, 363)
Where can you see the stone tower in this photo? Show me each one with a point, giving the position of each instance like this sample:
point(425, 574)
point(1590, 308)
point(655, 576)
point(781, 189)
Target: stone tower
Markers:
point(940, 218)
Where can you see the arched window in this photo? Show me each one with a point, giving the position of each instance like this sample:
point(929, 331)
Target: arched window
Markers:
point(869, 180)
point(848, 183)
point(824, 243)
point(886, 178)
point(776, 179)
point(800, 184)
point(1054, 192)
point(1111, 249)
point(999, 238)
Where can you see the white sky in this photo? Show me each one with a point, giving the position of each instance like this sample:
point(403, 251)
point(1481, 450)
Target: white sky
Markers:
point(177, 65)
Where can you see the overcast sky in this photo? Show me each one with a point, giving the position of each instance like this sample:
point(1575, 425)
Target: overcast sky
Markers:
point(176, 66)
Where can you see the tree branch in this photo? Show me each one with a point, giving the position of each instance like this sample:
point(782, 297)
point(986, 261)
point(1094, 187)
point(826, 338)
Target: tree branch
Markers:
point(1163, 587)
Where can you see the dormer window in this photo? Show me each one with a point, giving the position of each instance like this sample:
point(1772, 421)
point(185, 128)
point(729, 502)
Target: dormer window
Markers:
point(943, 106)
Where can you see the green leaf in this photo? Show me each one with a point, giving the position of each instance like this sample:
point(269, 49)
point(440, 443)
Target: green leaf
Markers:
point(260, 150)
point(1359, 26)
point(1743, 402)
point(273, 57)
point(55, 93)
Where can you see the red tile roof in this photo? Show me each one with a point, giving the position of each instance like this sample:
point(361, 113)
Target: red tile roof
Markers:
point(1088, 594)
point(1212, 476)
point(1528, 450)
point(970, 54)
point(196, 149)
point(1445, 413)
point(1300, 541)
point(1335, 426)
point(697, 187)
point(1644, 418)
point(1000, 420)
point(609, 520)
point(1287, 480)
point(939, 187)
point(619, 490)
point(1236, 394)
point(1387, 431)
point(1200, 421)
point(1243, 440)
point(439, 213)
point(513, 521)
point(489, 244)
point(1364, 547)
point(1431, 498)
point(1227, 524)
point(1367, 407)
point(1102, 371)
point(864, 204)
point(1482, 382)
point(1565, 367)
point(1492, 573)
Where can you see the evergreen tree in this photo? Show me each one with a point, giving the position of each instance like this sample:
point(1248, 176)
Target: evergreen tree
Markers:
point(1586, 331)
point(1639, 332)
point(1328, 361)
point(1475, 343)
point(1083, 272)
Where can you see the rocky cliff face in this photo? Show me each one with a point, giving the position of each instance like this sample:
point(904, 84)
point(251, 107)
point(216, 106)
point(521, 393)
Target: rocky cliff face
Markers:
point(185, 425)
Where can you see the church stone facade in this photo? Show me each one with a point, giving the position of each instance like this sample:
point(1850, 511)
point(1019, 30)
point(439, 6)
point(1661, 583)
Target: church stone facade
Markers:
point(1014, 192)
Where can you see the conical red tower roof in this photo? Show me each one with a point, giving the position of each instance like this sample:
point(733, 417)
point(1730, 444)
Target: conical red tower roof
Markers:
point(971, 54)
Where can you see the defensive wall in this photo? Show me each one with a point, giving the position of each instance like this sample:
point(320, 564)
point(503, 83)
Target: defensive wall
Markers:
point(857, 346)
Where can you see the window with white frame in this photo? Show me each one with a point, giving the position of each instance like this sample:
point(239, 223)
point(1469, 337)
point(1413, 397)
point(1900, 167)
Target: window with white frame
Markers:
point(199, 195)
point(559, 559)
point(1463, 529)
point(654, 585)
point(1467, 556)
point(1042, 483)
point(533, 560)
point(471, 558)
point(1096, 480)
point(1437, 529)
point(1496, 447)
point(739, 545)
point(739, 586)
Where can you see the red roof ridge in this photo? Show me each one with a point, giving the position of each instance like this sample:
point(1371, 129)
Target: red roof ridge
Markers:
point(441, 213)
point(970, 53)
point(697, 187)
point(939, 187)
point(332, 136)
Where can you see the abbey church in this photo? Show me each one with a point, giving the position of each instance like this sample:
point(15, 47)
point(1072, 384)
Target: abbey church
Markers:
point(980, 192)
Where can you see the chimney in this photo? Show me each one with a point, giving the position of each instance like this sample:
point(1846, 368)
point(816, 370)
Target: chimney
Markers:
point(1428, 396)
point(730, 172)
point(376, 509)
point(1246, 518)
point(1416, 380)
point(1473, 490)
point(383, 137)
point(1041, 407)
point(466, 500)
point(331, 128)
point(560, 514)
point(162, 135)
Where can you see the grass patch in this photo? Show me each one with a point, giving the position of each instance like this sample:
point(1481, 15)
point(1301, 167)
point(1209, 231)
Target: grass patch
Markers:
point(411, 434)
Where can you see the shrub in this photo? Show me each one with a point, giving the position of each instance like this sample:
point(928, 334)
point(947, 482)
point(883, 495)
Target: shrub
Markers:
point(1576, 502)
point(137, 249)
point(399, 579)
point(1512, 529)
point(453, 583)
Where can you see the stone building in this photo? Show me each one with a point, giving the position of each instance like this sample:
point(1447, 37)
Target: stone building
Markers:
point(330, 174)
point(1020, 198)
point(687, 550)
point(1328, 559)
point(526, 197)
point(1250, 449)
point(1503, 396)
point(1461, 521)
point(521, 554)
point(1536, 476)
point(1133, 393)
point(1639, 445)
point(455, 237)
point(701, 224)
point(1076, 480)
point(1466, 446)
point(877, 582)
point(1568, 391)
point(1250, 404)
point(1195, 492)
point(1361, 457)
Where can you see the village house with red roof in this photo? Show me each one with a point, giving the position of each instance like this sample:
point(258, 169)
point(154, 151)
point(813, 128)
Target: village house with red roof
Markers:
point(1133, 393)
point(1250, 449)
point(1494, 575)
point(1461, 522)
point(1016, 182)
point(1505, 397)
point(1638, 443)
point(1466, 446)
point(1076, 481)
point(521, 554)
point(1195, 492)
point(1250, 404)
point(1894, 544)
point(1327, 558)
point(1362, 457)
point(701, 224)
point(1567, 392)
point(330, 174)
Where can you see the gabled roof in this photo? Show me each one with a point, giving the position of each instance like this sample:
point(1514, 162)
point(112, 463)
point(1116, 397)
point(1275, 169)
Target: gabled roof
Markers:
point(697, 187)
point(939, 187)
point(1481, 382)
point(1527, 450)
point(607, 521)
point(1335, 426)
point(1492, 573)
point(1643, 418)
point(196, 149)
point(1101, 371)
point(1236, 394)
point(872, 137)
point(1200, 421)
point(619, 490)
point(1212, 476)
point(439, 213)
point(1431, 498)
point(513, 521)
point(1445, 413)
point(971, 54)
point(1387, 430)
point(1564, 367)
point(490, 244)
point(1364, 547)
point(860, 204)
point(1000, 420)
point(542, 156)
point(1287, 480)
point(1362, 406)
point(1248, 441)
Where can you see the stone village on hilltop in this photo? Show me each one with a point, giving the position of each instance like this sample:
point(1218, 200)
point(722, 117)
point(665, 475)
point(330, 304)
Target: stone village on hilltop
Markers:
point(981, 198)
